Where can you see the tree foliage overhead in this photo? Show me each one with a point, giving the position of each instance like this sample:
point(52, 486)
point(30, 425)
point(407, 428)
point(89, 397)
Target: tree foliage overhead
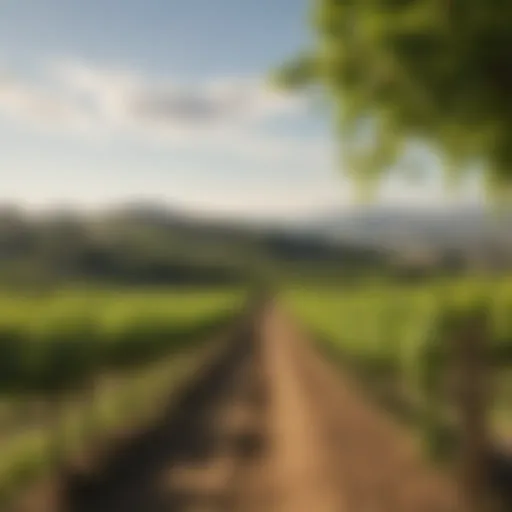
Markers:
point(433, 70)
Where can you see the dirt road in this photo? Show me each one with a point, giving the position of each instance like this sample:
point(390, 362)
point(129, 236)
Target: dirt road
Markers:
point(268, 427)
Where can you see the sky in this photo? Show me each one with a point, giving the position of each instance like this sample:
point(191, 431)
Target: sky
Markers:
point(108, 101)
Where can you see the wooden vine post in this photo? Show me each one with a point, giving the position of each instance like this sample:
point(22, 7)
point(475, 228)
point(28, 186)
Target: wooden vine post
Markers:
point(473, 400)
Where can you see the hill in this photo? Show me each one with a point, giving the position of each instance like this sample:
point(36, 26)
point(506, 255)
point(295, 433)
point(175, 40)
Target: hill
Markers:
point(142, 243)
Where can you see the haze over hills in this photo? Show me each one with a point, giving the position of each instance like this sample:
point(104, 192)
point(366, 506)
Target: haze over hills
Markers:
point(397, 228)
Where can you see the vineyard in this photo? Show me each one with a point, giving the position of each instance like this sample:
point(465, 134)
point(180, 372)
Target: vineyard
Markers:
point(77, 363)
point(398, 339)
point(82, 367)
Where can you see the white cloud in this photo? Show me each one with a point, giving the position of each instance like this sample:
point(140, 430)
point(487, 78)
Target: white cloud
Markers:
point(171, 104)
point(225, 113)
point(21, 101)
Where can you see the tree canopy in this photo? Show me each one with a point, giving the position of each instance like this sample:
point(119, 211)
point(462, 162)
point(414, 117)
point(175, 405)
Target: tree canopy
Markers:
point(438, 71)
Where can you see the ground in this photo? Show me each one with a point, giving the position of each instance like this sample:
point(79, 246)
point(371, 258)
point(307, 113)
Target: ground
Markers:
point(268, 426)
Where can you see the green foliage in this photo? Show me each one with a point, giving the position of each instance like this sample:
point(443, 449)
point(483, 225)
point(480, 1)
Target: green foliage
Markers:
point(429, 70)
point(63, 351)
point(57, 343)
point(56, 348)
point(14, 370)
point(402, 337)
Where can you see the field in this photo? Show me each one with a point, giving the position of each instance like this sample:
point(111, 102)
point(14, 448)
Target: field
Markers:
point(77, 363)
point(83, 370)
point(396, 338)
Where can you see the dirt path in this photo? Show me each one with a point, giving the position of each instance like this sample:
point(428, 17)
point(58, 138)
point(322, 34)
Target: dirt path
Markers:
point(268, 427)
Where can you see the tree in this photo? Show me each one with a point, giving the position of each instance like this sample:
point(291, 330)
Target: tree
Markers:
point(438, 71)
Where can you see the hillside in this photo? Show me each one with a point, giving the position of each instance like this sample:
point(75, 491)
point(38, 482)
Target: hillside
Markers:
point(148, 244)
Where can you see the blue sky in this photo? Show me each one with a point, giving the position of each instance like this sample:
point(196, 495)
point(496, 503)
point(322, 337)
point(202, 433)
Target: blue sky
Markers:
point(105, 101)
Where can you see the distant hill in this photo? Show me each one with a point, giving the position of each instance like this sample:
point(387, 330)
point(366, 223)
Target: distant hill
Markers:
point(455, 228)
point(146, 243)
